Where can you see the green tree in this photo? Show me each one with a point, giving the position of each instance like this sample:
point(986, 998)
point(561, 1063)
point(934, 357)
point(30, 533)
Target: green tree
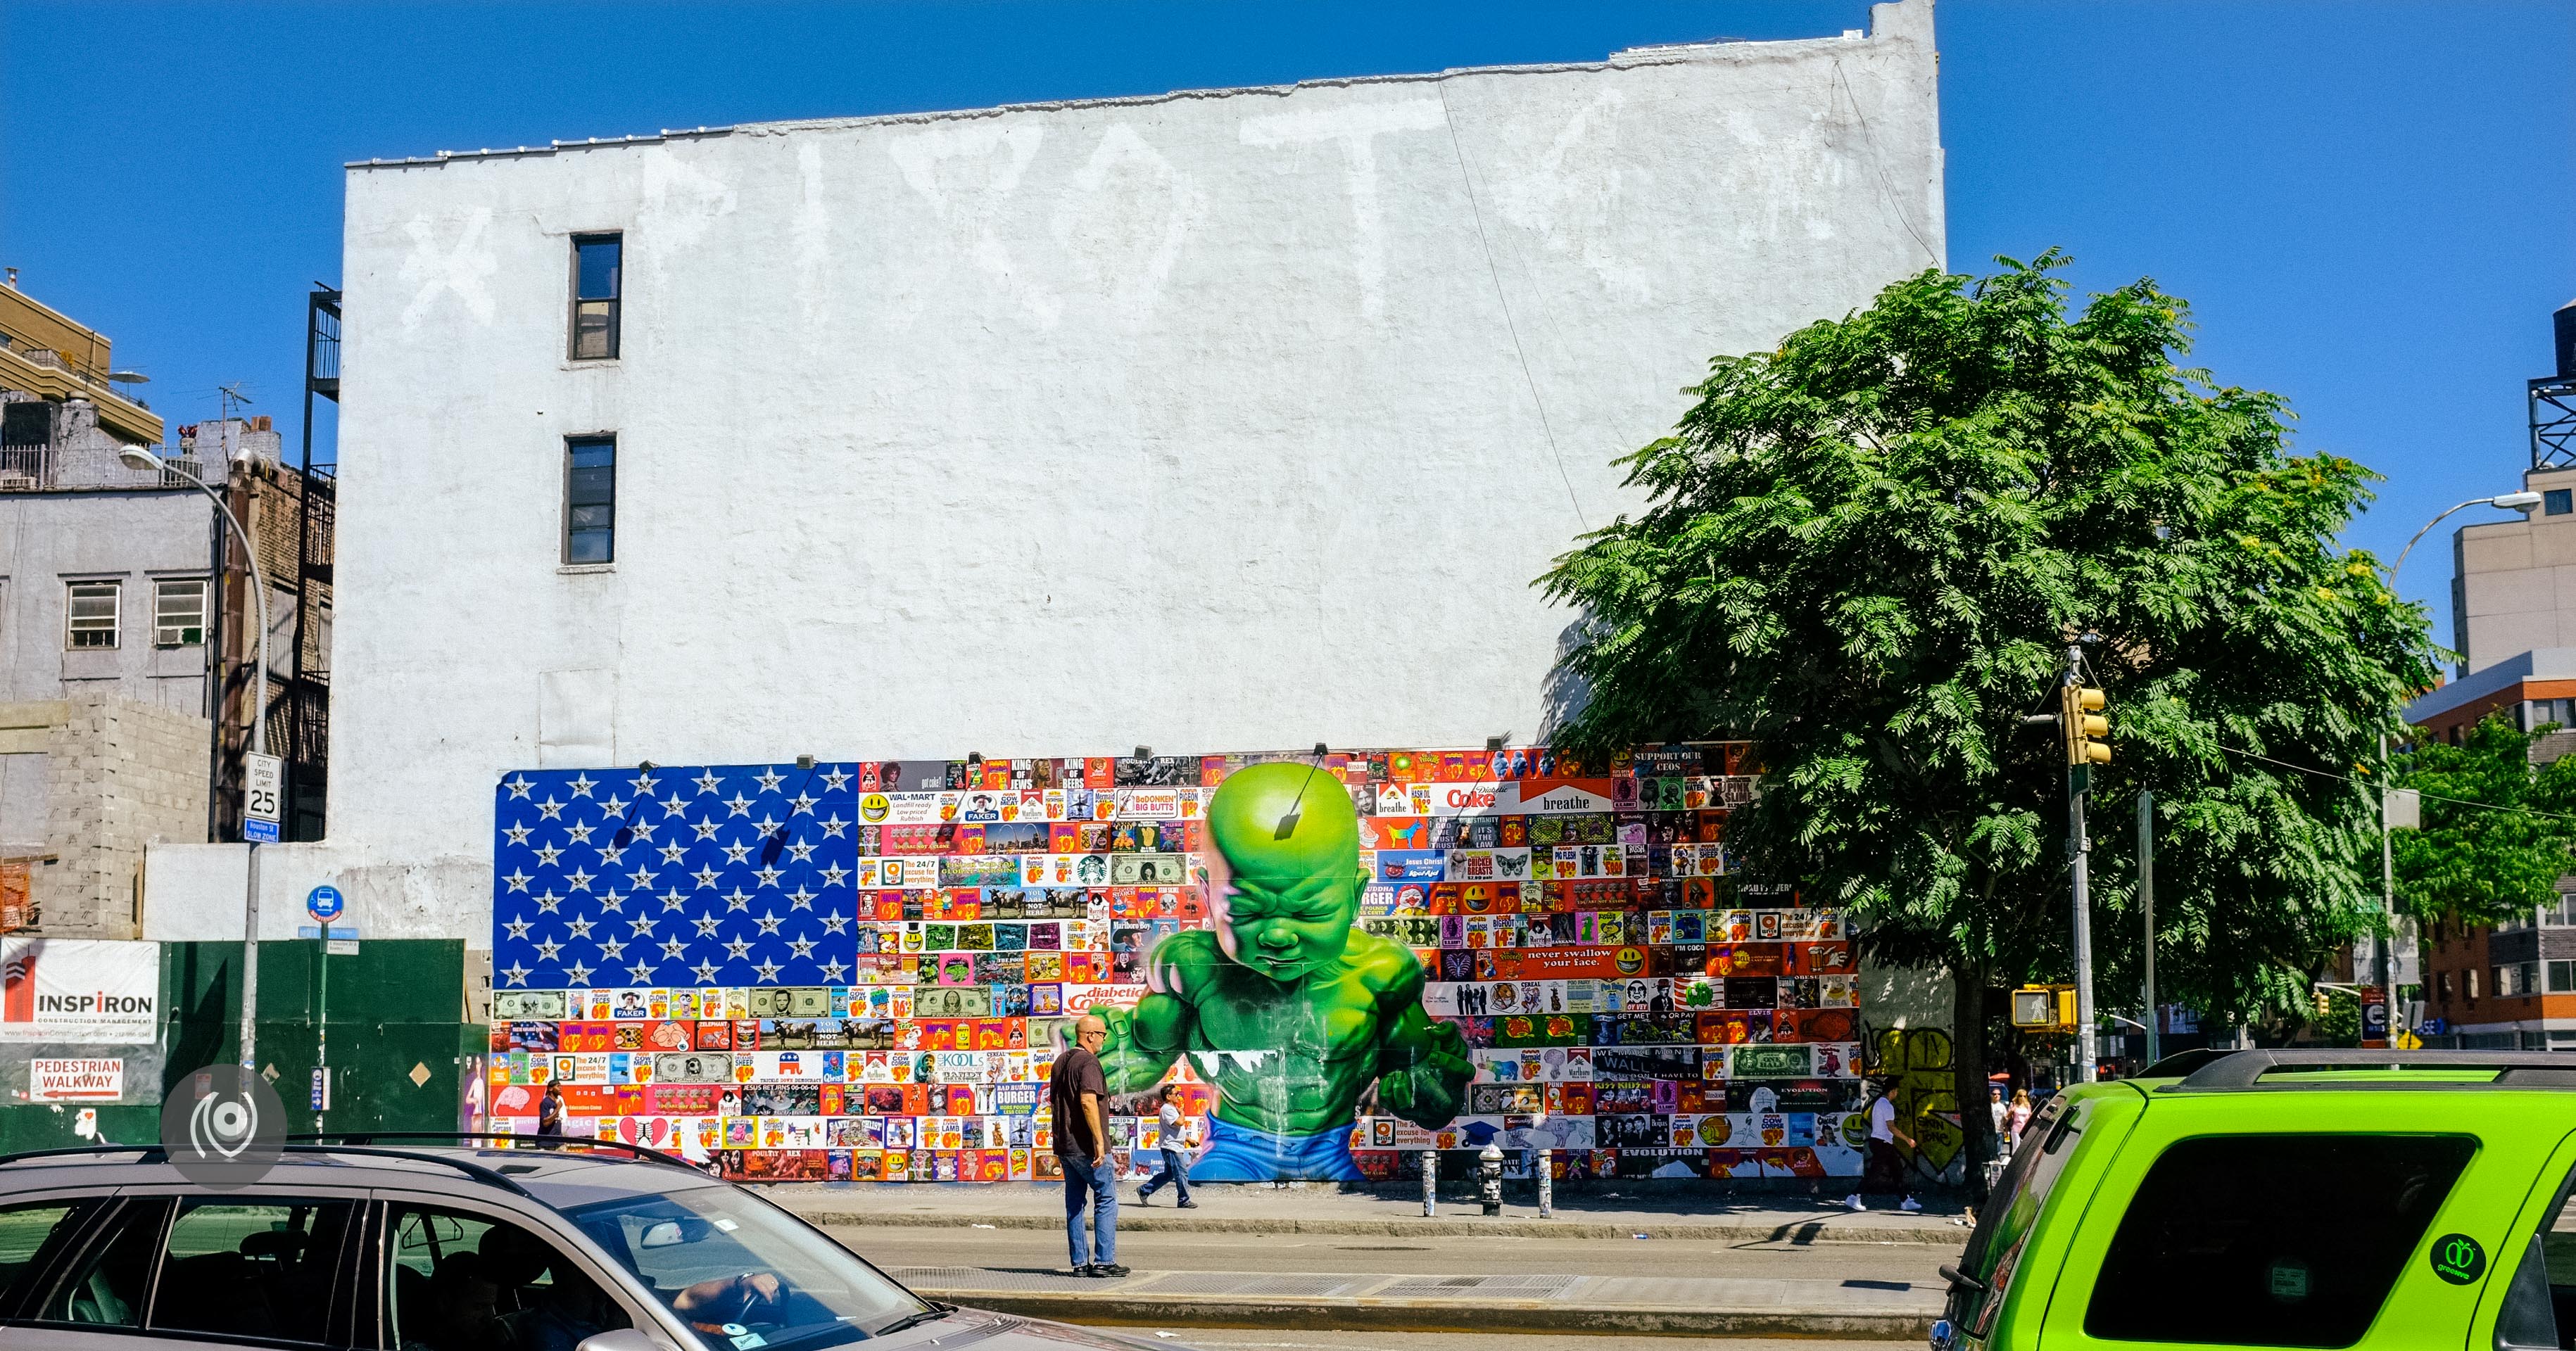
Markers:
point(2477, 864)
point(1868, 552)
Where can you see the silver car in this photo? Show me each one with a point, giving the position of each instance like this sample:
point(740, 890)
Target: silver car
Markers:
point(455, 1247)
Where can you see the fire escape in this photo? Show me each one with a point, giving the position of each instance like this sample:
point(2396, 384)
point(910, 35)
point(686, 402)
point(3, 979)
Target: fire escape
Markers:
point(293, 511)
point(308, 692)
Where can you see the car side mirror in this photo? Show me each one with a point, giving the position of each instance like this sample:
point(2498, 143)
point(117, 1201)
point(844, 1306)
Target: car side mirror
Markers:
point(623, 1339)
point(663, 1235)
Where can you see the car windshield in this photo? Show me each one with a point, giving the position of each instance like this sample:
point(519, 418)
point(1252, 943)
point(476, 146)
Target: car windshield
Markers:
point(745, 1274)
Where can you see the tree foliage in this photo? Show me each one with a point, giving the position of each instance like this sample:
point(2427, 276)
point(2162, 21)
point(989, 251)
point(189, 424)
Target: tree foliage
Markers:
point(2481, 863)
point(1868, 552)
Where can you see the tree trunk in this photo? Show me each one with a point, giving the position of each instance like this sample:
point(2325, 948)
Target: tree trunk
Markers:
point(1968, 1068)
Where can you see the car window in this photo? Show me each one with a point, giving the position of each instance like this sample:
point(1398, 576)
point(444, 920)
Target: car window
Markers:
point(25, 1231)
point(252, 1268)
point(456, 1281)
point(2539, 1308)
point(745, 1273)
point(2010, 1212)
point(2271, 1240)
point(2558, 1241)
point(107, 1286)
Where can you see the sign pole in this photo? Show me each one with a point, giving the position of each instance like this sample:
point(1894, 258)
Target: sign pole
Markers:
point(325, 904)
point(250, 965)
point(2147, 902)
point(2079, 779)
point(322, 1029)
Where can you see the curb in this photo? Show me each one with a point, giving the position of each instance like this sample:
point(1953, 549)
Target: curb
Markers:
point(1132, 1220)
point(1419, 1315)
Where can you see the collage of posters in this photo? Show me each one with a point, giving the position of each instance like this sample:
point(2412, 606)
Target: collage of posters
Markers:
point(863, 970)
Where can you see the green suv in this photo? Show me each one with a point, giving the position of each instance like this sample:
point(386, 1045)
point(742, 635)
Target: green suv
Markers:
point(2329, 1198)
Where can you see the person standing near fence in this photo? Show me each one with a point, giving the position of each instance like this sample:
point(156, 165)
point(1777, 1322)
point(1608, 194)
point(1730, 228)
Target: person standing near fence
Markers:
point(1176, 1153)
point(550, 1111)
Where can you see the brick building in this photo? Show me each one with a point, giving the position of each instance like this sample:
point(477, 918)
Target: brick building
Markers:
point(2512, 986)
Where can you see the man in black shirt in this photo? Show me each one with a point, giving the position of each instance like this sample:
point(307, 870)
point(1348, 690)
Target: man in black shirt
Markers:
point(1075, 1091)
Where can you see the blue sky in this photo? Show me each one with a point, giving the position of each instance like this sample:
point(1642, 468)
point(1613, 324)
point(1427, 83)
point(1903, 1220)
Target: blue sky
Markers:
point(2371, 206)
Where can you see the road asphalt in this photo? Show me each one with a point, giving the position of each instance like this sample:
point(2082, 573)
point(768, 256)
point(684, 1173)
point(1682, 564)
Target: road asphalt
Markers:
point(1226, 1339)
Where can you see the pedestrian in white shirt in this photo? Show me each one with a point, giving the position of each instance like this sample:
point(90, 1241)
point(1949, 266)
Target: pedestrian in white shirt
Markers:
point(1175, 1145)
point(1885, 1170)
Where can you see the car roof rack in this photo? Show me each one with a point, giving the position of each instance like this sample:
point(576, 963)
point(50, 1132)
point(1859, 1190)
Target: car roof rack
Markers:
point(551, 1143)
point(2181, 1063)
point(2247, 1070)
point(157, 1153)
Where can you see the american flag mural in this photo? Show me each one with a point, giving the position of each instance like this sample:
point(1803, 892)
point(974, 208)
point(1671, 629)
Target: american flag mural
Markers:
point(723, 875)
point(863, 970)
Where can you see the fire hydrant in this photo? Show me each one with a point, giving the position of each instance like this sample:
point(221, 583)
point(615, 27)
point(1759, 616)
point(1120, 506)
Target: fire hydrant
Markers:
point(1489, 1179)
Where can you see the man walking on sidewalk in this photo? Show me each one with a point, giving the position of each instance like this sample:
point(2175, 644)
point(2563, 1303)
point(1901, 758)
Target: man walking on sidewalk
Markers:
point(1884, 1170)
point(1075, 1091)
point(1176, 1152)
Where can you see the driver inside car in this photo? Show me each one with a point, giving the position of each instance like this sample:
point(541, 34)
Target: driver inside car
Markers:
point(711, 1305)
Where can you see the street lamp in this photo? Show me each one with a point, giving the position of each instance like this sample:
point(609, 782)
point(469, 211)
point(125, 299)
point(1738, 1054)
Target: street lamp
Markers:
point(2523, 502)
point(141, 459)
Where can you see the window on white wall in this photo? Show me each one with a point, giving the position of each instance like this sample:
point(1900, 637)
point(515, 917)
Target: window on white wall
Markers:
point(598, 294)
point(179, 613)
point(93, 613)
point(590, 499)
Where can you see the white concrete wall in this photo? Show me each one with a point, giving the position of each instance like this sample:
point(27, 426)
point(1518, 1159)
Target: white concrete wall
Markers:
point(1223, 420)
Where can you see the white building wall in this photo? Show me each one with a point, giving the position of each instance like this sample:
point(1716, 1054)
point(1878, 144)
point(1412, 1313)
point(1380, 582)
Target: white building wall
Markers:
point(1214, 421)
point(2514, 588)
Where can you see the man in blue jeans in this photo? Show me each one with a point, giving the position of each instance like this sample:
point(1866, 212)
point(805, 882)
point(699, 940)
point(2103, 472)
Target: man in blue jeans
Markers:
point(1075, 1090)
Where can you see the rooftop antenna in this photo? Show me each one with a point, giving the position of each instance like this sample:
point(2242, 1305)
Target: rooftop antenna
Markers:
point(231, 394)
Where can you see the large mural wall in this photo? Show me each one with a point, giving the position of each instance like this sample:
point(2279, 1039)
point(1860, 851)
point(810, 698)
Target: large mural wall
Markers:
point(863, 970)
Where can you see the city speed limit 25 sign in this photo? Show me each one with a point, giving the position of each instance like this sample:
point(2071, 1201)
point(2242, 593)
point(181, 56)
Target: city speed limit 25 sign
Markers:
point(263, 796)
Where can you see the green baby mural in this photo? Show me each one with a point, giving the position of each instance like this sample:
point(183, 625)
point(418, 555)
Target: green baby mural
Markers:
point(1284, 1006)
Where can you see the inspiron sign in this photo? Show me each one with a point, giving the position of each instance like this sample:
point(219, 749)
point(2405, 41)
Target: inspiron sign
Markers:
point(79, 991)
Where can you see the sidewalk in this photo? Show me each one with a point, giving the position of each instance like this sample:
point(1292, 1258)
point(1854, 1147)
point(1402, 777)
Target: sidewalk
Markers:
point(1614, 1213)
point(1518, 1304)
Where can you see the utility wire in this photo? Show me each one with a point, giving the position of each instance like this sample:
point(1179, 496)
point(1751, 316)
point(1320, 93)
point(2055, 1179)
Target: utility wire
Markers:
point(1503, 298)
point(2437, 797)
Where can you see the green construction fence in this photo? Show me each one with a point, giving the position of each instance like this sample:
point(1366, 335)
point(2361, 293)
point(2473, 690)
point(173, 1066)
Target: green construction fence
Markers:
point(391, 1018)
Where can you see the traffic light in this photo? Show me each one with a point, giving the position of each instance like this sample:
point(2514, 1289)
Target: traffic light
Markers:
point(2325, 1004)
point(2044, 1008)
point(2087, 731)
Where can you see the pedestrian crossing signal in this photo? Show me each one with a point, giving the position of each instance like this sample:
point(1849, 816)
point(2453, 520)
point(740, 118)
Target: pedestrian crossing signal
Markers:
point(2044, 1008)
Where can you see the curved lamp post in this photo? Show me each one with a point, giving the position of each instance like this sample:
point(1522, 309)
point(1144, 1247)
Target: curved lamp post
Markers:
point(2522, 502)
point(142, 459)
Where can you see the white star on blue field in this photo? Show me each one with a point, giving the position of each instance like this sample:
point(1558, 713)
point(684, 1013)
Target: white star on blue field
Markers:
point(733, 875)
